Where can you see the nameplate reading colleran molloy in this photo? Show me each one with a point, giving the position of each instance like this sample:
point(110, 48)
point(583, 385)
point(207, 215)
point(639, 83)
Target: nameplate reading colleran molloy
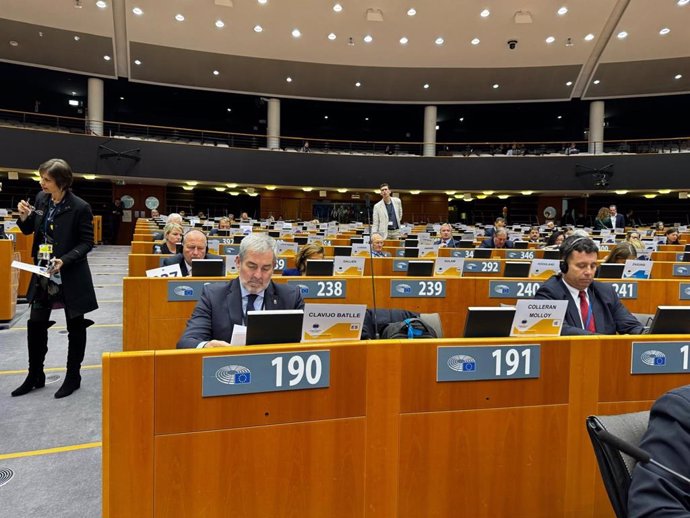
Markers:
point(418, 289)
point(660, 357)
point(494, 362)
point(187, 290)
point(513, 289)
point(271, 372)
point(325, 289)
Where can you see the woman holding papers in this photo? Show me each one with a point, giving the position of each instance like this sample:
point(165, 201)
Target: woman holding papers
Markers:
point(62, 226)
point(309, 251)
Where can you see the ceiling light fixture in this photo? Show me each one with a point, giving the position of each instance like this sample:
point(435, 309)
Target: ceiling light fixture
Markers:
point(485, 13)
point(664, 191)
point(138, 11)
point(220, 189)
point(307, 189)
point(270, 187)
point(234, 193)
point(450, 193)
point(664, 31)
point(179, 17)
point(559, 117)
point(332, 36)
point(258, 28)
point(220, 24)
point(550, 39)
point(101, 4)
point(411, 11)
point(229, 109)
point(569, 83)
point(475, 41)
point(296, 33)
point(337, 8)
point(342, 191)
point(325, 117)
point(589, 37)
point(216, 72)
point(622, 35)
point(231, 185)
point(192, 183)
point(288, 79)
point(188, 187)
point(366, 119)
point(563, 10)
point(495, 85)
point(426, 86)
point(621, 192)
point(89, 176)
point(106, 57)
point(678, 76)
point(503, 196)
point(415, 192)
point(596, 81)
point(358, 84)
point(439, 41)
point(368, 38)
point(650, 196)
point(73, 102)
point(527, 193)
point(403, 40)
point(137, 62)
point(77, 38)
point(461, 119)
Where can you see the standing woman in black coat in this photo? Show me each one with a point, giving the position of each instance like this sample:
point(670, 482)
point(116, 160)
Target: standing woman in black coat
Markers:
point(62, 225)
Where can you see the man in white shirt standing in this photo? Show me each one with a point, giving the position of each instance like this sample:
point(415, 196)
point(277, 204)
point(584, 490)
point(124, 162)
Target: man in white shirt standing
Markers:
point(387, 215)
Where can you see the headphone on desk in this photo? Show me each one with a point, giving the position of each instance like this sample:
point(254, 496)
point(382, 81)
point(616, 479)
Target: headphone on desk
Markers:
point(568, 247)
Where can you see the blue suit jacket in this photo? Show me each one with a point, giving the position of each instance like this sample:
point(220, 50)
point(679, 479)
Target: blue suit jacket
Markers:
point(654, 493)
point(610, 315)
point(220, 308)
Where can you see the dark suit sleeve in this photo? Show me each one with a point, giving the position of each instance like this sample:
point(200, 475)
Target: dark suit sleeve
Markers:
point(548, 291)
point(200, 325)
point(626, 323)
point(667, 440)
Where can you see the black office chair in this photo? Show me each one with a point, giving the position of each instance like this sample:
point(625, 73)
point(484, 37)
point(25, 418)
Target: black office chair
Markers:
point(615, 466)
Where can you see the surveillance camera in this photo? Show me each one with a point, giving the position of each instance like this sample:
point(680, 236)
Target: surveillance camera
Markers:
point(512, 44)
point(351, 41)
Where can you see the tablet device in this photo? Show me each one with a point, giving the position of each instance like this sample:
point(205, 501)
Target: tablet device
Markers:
point(610, 270)
point(488, 322)
point(420, 268)
point(671, 320)
point(208, 268)
point(516, 269)
point(342, 251)
point(319, 268)
point(277, 326)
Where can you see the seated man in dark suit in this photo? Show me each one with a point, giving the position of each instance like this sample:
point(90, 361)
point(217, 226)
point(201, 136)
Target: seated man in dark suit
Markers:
point(498, 240)
point(193, 247)
point(221, 306)
point(654, 492)
point(446, 240)
point(593, 307)
point(223, 224)
point(500, 222)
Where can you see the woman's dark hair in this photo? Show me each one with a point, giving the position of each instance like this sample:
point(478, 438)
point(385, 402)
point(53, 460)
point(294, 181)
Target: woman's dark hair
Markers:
point(671, 230)
point(59, 171)
point(305, 253)
point(552, 238)
point(621, 251)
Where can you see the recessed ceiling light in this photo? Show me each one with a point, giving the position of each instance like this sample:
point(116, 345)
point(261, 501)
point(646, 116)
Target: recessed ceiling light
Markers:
point(307, 189)
point(559, 117)
point(475, 41)
point(258, 28)
point(495, 85)
point(77, 38)
point(596, 81)
point(14, 43)
point(403, 40)
point(683, 2)
point(137, 62)
point(296, 33)
point(622, 35)
point(358, 84)
point(438, 127)
point(101, 4)
point(439, 41)
point(569, 83)
point(649, 196)
point(106, 57)
point(664, 31)
point(216, 72)
point(263, 2)
point(122, 98)
point(220, 24)
point(415, 192)
point(332, 36)
point(288, 79)
point(461, 119)
point(137, 11)
point(337, 8)
point(325, 117)
point(342, 191)
point(411, 11)
point(589, 37)
point(73, 102)
point(270, 187)
point(563, 10)
point(678, 76)
point(426, 85)
point(485, 13)
point(550, 39)
point(366, 118)
point(179, 17)
point(664, 191)
point(527, 193)
point(229, 109)
point(368, 38)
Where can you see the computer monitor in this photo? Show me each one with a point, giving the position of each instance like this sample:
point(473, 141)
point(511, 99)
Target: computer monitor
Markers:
point(488, 322)
point(465, 243)
point(224, 232)
point(482, 253)
point(300, 240)
point(278, 326)
point(420, 268)
point(342, 251)
point(671, 320)
point(319, 268)
point(274, 233)
point(686, 257)
point(687, 248)
point(411, 252)
point(552, 254)
point(237, 239)
point(520, 245)
point(208, 268)
point(610, 270)
point(516, 269)
point(356, 240)
point(411, 243)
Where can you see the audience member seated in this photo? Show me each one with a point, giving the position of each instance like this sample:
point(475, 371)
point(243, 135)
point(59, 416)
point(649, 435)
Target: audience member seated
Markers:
point(223, 224)
point(172, 234)
point(223, 305)
point(309, 251)
point(633, 237)
point(155, 214)
point(446, 239)
point(603, 219)
point(534, 236)
point(659, 226)
point(555, 240)
point(572, 149)
point(175, 218)
point(244, 217)
point(593, 307)
point(499, 223)
point(377, 246)
point(499, 240)
point(672, 236)
point(194, 246)
point(621, 253)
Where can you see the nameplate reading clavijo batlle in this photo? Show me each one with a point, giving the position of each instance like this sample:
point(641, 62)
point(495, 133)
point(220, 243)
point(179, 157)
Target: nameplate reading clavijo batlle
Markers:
point(494, 362)
point(271, 372)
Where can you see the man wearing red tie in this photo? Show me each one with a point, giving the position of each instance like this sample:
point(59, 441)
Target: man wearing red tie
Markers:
point(593, 307)
point(446, 240)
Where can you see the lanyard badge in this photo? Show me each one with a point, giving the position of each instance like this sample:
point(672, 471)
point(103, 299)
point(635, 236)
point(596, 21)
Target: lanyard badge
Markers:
point(45, 252)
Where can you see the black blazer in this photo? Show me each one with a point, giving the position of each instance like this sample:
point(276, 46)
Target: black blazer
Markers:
point(220, 308)
point(162, 248)
point(179, 259)
point(73, 240)
point(610, 315)
point(667, 439)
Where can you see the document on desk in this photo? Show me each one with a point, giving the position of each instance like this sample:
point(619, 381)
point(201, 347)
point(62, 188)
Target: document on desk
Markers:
point(239, 335)
point(39, 270)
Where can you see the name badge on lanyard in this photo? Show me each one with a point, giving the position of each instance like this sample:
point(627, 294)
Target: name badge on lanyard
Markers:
point(45, 251)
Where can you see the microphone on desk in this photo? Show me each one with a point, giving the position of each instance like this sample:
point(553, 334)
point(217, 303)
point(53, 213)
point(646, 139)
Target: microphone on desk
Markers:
point(367, 201)
point(636, 453)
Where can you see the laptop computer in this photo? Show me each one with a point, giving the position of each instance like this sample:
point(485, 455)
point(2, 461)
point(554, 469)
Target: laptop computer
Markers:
point(465, 243)
point(488, 322)
point(208, 267)
point(300, 240)
point(342, 251)
point(552, 254)
point(482, 253)
point(610, 270)
point(672, 320)
point(319, 268)
point(272, 233)
point(411, 252)
point(516, 269)
point(411, 243)
point(420, 268)
point(520, 245)
point(356, 240)
point(278, 326)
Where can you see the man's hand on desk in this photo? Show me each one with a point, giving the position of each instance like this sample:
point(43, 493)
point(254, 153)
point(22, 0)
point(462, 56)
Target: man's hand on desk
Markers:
point(216, 343)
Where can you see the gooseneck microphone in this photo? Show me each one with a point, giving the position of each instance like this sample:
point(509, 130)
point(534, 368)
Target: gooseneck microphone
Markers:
point(367, 201)
point(636, 453)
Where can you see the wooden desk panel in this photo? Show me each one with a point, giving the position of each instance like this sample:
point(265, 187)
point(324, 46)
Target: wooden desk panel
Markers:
point(23, 244)
point(9, 280)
